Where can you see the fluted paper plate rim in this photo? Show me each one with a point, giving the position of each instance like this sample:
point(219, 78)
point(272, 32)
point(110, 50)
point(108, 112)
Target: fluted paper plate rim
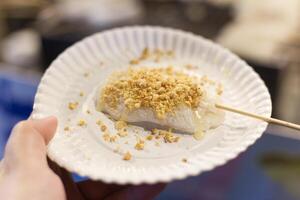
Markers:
point(210, 159)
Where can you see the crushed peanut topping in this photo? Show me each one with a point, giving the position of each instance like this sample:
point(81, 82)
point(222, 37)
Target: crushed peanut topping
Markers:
point(113, 138)
point(184, 160)
point(73, 105)
point(88, 112)
point(149, 137)
point(160, 89)
point(103, 128)
point(106, 137)
point(81, 94)
point(134, 62)
point(168, 136)
point(66, 128)
point(156, 55)
point(120, 125)
point(145, 54)
point(127, 156)
point(140, 145)
point(81, 122)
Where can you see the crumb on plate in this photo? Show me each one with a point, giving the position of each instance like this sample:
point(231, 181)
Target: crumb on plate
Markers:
point(113, 138)
point(149, 137)
point(140, 145)
point(168, 136)
point(106, 137)
point(103, 128)
point(127, 156)
point(134, 62)
point(73, 105)
point(81, 123)
point(120, 124)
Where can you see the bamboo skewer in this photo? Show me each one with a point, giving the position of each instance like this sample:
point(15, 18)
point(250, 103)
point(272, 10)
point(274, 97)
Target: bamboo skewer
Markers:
point(266, 119)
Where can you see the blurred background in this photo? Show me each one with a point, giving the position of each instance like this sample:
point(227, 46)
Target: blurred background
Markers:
point(266, 33)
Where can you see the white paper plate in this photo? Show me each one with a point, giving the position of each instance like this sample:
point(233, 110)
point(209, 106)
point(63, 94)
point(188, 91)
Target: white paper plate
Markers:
point(82, 150)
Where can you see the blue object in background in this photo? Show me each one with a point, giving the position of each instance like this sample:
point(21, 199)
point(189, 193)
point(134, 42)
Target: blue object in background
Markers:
point(16, 100)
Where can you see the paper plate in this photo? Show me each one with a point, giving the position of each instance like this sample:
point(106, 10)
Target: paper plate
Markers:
point(78, 72)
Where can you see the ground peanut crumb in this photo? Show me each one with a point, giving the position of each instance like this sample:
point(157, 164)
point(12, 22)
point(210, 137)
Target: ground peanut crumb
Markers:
point(113, 138)
point(81, 94)
point(127, 156)
point(120, 125)
point(184, 160)
point(106, 137)
point(140, 145)
point(145, 54)
point(168, 136)
point(103, 128)
point(67, 128)
point(88, 112)
point(156, 54)
point(81, 122)
point(134, 62)
point(99, 122)
point(149, 137)
point(154, 131)
point(126, 142)
point(73, 105)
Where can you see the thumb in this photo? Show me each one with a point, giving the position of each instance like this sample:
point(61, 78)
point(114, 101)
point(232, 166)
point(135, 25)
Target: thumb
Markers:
point(46, 127)
point(26, 147)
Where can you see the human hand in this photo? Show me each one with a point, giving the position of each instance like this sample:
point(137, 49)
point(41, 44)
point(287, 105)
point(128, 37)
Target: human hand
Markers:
point(25, 172)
